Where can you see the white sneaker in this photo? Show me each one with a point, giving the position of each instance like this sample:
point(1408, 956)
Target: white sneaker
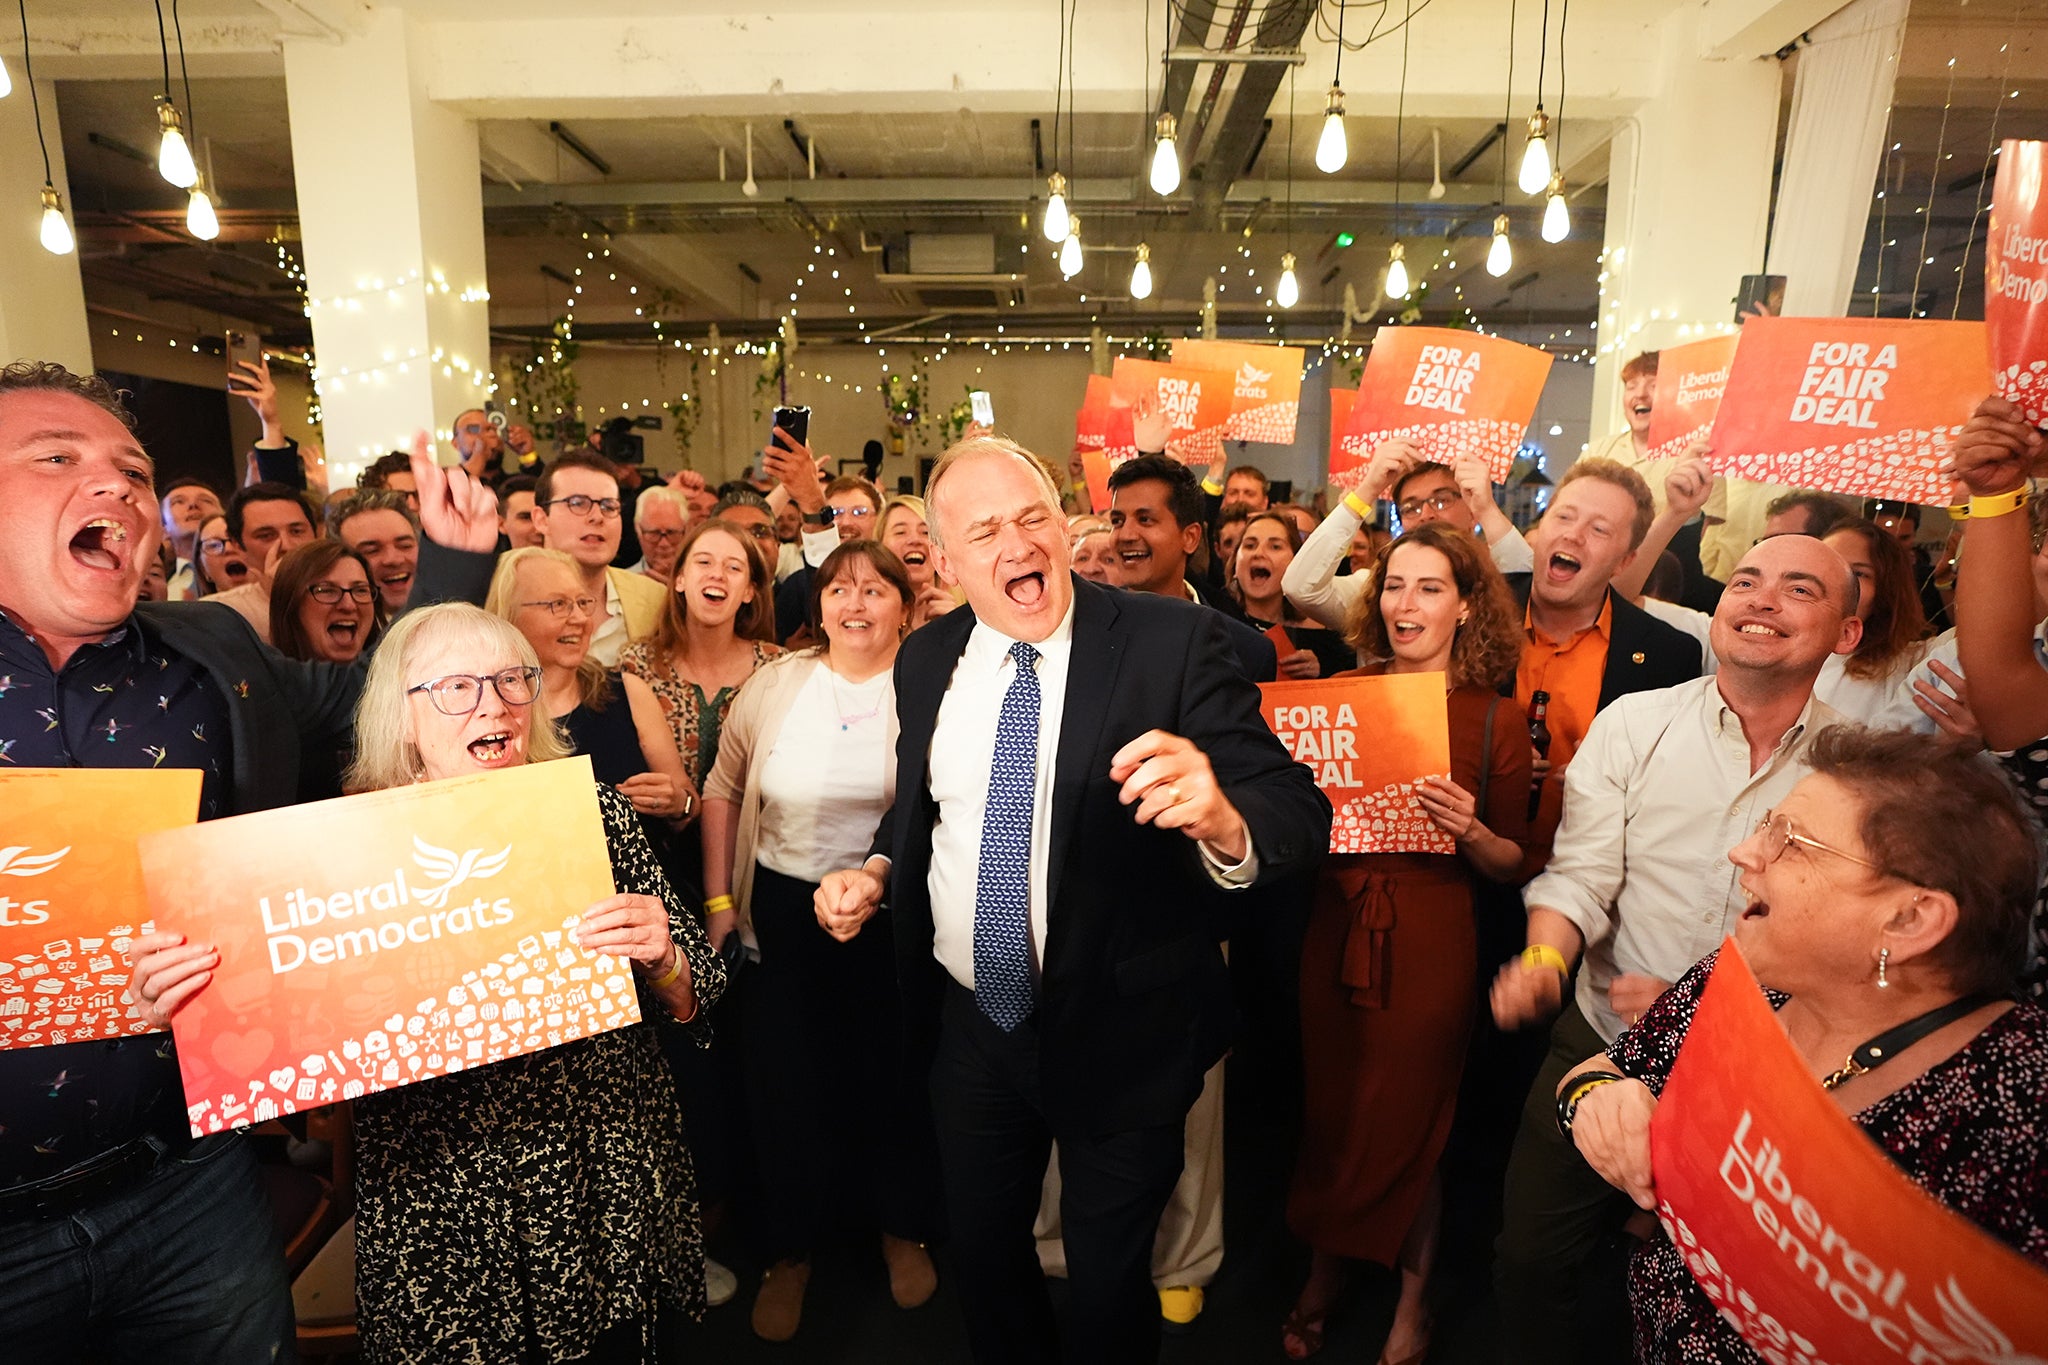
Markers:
point(720, 1284)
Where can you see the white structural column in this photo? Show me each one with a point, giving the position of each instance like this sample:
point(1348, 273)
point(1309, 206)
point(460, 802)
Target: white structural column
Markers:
point(42, 302)
point(391, 213)
point(1688, 205)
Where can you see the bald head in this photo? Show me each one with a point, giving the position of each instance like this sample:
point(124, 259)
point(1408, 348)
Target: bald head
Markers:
point(1788, 606)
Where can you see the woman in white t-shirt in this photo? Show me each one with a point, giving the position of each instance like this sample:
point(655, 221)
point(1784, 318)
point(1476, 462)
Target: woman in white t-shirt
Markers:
point(806, 768)
point(1874, 685)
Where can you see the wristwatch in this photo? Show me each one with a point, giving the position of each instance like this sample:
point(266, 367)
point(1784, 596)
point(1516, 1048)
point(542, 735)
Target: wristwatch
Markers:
point(822, 517)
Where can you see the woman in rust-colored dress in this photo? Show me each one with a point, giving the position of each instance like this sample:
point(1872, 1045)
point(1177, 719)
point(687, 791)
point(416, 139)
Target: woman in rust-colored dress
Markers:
point(1388, 980)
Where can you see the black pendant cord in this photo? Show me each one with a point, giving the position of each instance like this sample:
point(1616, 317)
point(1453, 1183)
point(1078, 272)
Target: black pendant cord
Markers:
point(1895, 1040)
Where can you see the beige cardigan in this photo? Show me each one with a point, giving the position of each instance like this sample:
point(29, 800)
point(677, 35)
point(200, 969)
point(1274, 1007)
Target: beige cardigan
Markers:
point(747, 736)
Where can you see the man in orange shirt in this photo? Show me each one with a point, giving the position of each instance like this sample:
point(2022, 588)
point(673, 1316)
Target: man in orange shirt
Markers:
point(1586, 644)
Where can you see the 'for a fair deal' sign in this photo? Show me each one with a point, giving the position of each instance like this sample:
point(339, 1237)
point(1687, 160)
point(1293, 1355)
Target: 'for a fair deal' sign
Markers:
point(387, 938)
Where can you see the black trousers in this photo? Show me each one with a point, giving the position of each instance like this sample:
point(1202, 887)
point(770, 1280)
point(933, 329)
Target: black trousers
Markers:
point(830, 1123)
point(994, 1142)
point(1557, 1214)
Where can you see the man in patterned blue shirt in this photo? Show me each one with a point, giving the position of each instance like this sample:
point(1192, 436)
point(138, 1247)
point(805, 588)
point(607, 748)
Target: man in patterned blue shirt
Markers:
point(121, 1237)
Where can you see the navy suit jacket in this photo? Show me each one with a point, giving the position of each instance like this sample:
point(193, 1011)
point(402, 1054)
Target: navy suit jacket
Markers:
point(1134, 1001)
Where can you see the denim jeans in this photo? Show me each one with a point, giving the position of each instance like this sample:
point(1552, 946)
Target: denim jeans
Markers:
point(181, 1268)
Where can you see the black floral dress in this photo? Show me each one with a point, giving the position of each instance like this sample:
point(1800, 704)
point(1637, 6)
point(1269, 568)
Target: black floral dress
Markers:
point(1969, 1131)
point(514, 1212)
point(2028, 768)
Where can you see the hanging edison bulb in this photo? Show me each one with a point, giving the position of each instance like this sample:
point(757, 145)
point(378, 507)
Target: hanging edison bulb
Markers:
point(1070, 250)
point(1141, 273)
point(57, 239)
point(1397, 273)
point(1535, 173)
point(1331, 149)
point(1056, 216)
point(173, 155)
point(1557, 218)
point(1165, 157)
point(6, 81)
point(1500, 257)
point(1289, 291)
point(200, 219)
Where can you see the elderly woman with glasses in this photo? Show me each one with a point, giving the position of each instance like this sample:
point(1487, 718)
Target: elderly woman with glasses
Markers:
point(542, 1207)
point(608, 715)
point(1888, 902)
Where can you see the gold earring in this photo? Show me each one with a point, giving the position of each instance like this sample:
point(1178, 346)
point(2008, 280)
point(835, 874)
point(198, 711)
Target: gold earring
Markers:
point(1883, 956)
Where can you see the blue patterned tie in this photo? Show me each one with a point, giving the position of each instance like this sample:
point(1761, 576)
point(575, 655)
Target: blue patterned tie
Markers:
point(1002, 894)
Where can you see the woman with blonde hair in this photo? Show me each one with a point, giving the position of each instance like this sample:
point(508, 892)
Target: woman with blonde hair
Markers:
point(1387, 981)
point(610, 716)
point(906, 533)
point(542, 1207)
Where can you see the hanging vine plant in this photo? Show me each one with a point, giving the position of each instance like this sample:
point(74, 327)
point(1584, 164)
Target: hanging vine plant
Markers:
point(545, 381)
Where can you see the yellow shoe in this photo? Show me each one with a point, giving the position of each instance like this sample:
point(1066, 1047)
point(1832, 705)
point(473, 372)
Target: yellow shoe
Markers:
point(1180, 1305)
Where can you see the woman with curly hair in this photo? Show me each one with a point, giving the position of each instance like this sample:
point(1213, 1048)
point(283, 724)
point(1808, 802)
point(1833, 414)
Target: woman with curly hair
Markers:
point(1387, 986)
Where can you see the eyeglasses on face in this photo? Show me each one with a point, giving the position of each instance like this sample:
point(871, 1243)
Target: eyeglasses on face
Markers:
point(1778, 834)
point(760, 532)
point(860, 513)
point(1442, 502)
point(213, 545)
point(458, 694)
point(330, 593)
point(561, 607)
point(582, 506)
point(659, 533)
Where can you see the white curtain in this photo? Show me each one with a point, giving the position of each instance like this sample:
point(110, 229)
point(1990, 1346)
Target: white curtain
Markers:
point(1840, 99)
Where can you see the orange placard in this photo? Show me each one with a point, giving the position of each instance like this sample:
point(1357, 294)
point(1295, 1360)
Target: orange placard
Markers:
point(1690, 381)
point(2016, 279)
point(1343, 457)
point(387, 938)
point(71, 895)
point(1091, 422)
point(1196, 403)
point(1266, 393)
point(1810, 1241)
point(1095, 467)
point(1368, 740)
point(1450, 392)
point(1863, 406)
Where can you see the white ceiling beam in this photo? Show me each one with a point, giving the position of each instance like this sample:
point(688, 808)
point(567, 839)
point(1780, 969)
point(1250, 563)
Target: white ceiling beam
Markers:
point(1733, 29)
point(330, 21)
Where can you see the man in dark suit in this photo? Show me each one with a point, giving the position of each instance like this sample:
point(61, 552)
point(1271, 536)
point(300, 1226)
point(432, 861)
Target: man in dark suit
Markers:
point(1082, 776)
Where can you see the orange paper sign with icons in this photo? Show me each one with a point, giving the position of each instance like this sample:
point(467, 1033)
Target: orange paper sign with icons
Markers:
point(1690, 380)
point(1343, 457)
point(387, 938)
point(1091, 423)
point(1196, 403)
point(1863, 406)
point(1449, 392)
point(2016, 279)
point(1266, 392)
point(1368, 740)
point(1801, 1231)
point(71, 897)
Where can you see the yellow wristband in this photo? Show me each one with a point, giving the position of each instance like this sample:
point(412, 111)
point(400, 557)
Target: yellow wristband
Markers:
point(1958, 511)
point(673, 972)
point(1212, 488)
point(717, 905)
point(1998, 504)
point(1358, 505)
point(1580, 1090)
point(1543, 955)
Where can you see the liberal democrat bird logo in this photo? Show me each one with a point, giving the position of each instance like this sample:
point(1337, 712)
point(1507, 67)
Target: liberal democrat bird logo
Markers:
point(453, 869)
point(1250, 377)
point(19, 862)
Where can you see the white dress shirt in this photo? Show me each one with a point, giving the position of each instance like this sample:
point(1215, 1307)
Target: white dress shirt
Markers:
point(959, 769)
point(1653, 801)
